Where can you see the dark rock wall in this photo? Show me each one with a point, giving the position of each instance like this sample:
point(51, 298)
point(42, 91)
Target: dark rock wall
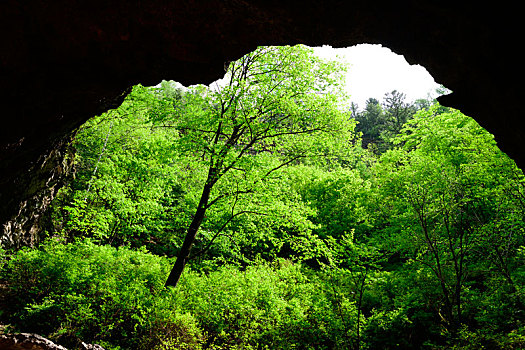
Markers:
point(64, 61)
point(33, 191)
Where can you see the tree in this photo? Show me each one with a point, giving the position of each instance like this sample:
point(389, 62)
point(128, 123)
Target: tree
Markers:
point(445, 190)
point(281, 102)
point(381, 122)
point(397, 111)
point(370, 122)
point(130, 185)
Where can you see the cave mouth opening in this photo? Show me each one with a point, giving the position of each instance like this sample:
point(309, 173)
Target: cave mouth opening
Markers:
point(372, 72)
point(16, 232)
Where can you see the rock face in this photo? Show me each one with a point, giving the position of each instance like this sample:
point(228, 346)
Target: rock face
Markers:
point(30, 341)
point(64, 61)
point(37, 188)
point(27, 341)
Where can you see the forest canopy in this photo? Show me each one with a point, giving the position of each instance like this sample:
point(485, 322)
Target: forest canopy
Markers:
point(291, 220)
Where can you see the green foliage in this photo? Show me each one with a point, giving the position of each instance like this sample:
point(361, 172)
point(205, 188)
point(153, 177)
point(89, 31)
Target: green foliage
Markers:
point(380, 122)
point(132, 189)
point(3, 257)
point(338, 196)
point(445, 194)
point(307, 237)
point(82, 291)
point(261, 307)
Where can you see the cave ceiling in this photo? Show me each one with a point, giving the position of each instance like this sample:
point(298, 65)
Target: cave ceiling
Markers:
point(64, 61)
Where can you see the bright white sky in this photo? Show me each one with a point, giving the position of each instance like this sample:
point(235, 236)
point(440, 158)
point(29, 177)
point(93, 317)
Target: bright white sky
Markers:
point(375, 70)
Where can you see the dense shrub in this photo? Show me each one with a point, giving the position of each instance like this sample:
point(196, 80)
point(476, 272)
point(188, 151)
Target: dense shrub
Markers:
point(115, 297)
point(82, 291)
point(274, 306)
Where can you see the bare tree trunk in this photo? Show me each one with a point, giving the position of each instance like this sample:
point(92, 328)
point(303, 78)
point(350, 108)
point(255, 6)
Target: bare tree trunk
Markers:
point(191, 233)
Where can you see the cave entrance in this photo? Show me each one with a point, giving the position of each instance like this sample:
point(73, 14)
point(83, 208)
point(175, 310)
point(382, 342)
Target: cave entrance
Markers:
point(127, 165)
point(126, 153)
